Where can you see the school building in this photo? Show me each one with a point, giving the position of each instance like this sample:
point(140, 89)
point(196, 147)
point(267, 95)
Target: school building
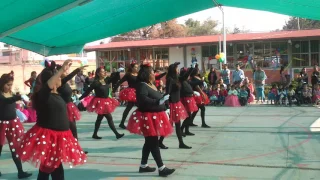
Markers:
point(292, 49)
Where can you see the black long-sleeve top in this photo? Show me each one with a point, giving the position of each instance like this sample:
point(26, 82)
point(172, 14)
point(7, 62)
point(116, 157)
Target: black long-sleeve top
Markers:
point(65, 90)
point(101, 91)
point(158, 77)
point(195, 82)
point(132, 81)
point(148, 99)
point(8, 107)
point(115, 76)
point(51, 110)
point(174, 88)
point(186, 89)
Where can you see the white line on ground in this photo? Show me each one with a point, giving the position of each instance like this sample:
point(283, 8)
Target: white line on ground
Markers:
point(315, 127)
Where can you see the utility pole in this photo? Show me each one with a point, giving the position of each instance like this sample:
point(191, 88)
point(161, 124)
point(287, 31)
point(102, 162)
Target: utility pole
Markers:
point(224, 29)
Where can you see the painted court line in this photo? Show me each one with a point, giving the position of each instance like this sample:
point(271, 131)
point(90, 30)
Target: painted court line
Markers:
point(315, 127)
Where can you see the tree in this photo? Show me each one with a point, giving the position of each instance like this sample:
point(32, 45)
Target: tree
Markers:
point(142, 33)
point(276, 30)
point(237, 30)
point(292, 24)
point(195, 28)
point(161, 30)
point(168, 29)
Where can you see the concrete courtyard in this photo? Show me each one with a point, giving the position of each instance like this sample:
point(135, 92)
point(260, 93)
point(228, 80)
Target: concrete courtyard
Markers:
point(257, 142)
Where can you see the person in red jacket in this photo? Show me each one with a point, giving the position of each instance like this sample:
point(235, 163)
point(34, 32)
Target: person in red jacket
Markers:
point(222, 95)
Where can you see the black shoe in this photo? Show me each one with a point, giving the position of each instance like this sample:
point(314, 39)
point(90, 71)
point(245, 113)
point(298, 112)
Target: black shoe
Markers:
point(119, 136)
point(162, 146)
point(24, 175)
point(96, 137)
point(122, 126)
point(166, 172)
point(147, 169)
point(183, 134)
point(183, 146)
point(205, 126)
point(193, 124)
point(189, 134)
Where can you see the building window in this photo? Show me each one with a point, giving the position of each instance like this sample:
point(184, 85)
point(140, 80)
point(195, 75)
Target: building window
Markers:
point(300, 53)
point(244, 54)
point(161, 58)
point(314, 47)
point(209, 51)
point(279, 54)
point(8, 53)
point(262, 54)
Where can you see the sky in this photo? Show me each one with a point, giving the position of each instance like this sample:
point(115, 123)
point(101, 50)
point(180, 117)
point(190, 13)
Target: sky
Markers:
point(253, 20)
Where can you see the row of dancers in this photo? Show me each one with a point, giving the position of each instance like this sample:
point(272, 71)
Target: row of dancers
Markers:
point(52, 141)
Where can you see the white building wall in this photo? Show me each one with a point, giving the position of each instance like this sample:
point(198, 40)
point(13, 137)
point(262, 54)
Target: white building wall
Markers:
point(176, 55)
point(198, 55)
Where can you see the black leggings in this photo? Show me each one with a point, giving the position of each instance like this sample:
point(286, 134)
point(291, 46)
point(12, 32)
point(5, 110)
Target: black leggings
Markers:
point(57, 174)
point(151, 144)
point(203, 112)
point(126, 112)
point(187, 122)
point(110, 122)
point(16, 160)
point(178, 132)
point(73, 128)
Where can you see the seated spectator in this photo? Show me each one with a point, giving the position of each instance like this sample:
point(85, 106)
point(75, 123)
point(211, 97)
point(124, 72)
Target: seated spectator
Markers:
point(223, 93)
point(291, 94)
point(243, 96)
point(306, 94)
point(214, 95)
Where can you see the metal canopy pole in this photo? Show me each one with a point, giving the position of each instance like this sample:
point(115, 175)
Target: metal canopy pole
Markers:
point(224, 28)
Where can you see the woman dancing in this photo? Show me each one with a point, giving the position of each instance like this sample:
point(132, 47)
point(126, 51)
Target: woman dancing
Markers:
point(10, 125)
point(177, 110)
point(49, 143)
point(65, 92)
point(128, 94)
point(202, 100)
point(187, 98)
point(102, 104)
point(150, 120)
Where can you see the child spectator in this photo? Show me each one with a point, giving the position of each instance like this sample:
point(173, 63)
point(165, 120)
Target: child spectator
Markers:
point(291, 94)
point(232, 99)
point(298, 91)
point(223, 93)
point(306, 94)
point(282, 95)
point(316, 94)
point(74, 97)
point(228, 87)
point(214, 95)
point(243, 96)
point(273, 94)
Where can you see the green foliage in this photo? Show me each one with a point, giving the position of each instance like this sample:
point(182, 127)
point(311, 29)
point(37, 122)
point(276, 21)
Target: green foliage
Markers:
point(195, 28)
point(205, 75)
point(292, 24)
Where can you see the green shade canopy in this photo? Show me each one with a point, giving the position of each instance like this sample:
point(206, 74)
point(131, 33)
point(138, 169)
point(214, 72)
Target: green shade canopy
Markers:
point(64, 26)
